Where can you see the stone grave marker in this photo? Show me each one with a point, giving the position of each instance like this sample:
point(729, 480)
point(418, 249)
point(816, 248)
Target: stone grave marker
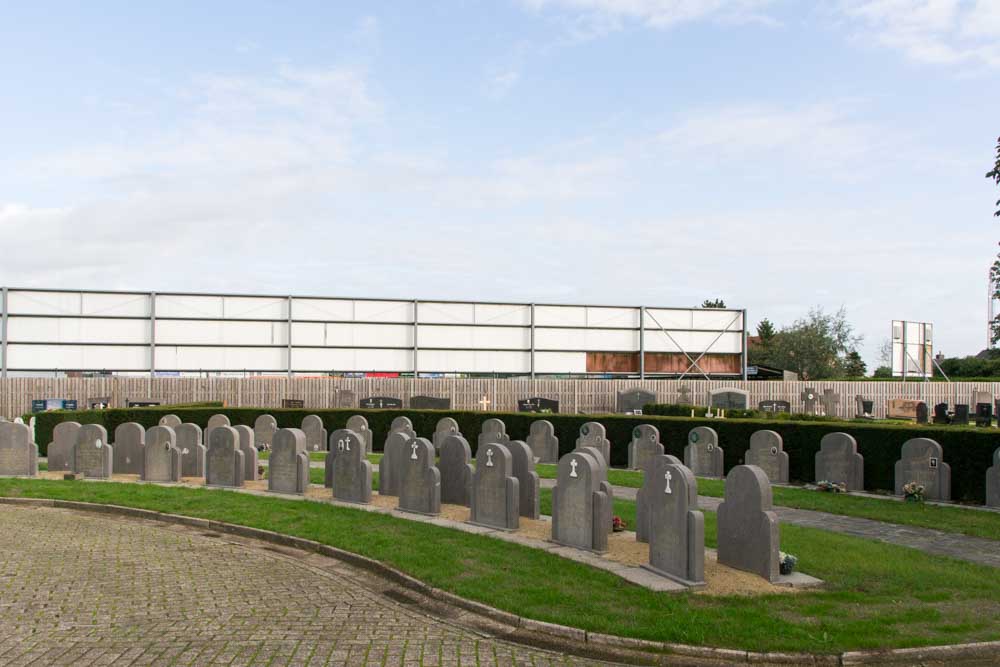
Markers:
point(774, 406)
point(543, 442)
point(161, 460)
point(429, 403)
point(645, 446)
point(402, 425)
point(981, 397)
point(394, 455)
point(921, 462)
point(247, 446)
point(961, 416)
point(922, 413)
point(941, 414)
point(676, 527)
point(527, 479)
point(130, 441)
point(901, 408)
point(984, 415)
point(193, 451)
point(863, 408)
point(748, 537)
point(293, 403)
point(537, 404)
point(60, 450)
point(288, 465)
point(345, 398)
point(838, 461)
point(702, 454)
point(580, 506)
point(993, 481)
point(830, 401)
point(224, 464)
point(592, 434)
point(494, 489)
point(315, 432)
point(444, 427)
point(92, 455)
point(351, 470)
point(767, 453)
point(419, 479)
point(651, 484)
point(264, 428)
point(456, 470)
point(359, 425)
point(729, 398)
point(809, 400)
point(381, 403)
point(633, 399)
point(493, 430)
point(18, 452)
point(684, 394)
point(213, 422)
point(173, 421)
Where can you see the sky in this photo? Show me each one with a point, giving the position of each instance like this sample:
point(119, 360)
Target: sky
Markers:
point(780, 155)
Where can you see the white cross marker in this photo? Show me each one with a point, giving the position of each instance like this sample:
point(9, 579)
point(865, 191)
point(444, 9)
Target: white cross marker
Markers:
point(573, 464)
point(668, 476)
point(185, 451)
point(489, 458)
point(413, 456)
point(485, 402)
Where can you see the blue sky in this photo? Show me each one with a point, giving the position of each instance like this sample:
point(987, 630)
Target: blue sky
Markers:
point(778, 154)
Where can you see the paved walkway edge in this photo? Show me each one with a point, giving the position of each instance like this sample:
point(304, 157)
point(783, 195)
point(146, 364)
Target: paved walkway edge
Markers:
point(531, 632)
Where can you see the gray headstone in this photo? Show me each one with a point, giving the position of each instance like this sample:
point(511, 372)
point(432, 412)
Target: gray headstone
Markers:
point(288, 465)
point(393, 458)
point(921, 462)
point(645, 446)
point(173, 421)
point(993, 481)
point(642, 514)
point(456, 471)
point(981, 397)
point(429, 403)
point(445, 427)
point(527, 479)
point(60, 451)
point(676, 527)
point(130, 440)
point(493, 430)
point(581, 507)
point(767, 453)
point(264, 428)
point(543, 441)
point(838, 461)
point(729, 398)
point(224, 465)
point(92, 455)
point(359, 425)
point(249, 449)
point(748, 537)
point(684, 394)
point(403, 425)
point(494, 489)
point(214, 421)
point(192, 449)
point(18, 452)
point(592, 434)
point(831, 402)
point(351, 469)
point(345, 398)
point(702, 454)
point(630, 400)
point(316, 438)
point(161, 460)
point(774, 406)
point(810, 399)
point(420, 480)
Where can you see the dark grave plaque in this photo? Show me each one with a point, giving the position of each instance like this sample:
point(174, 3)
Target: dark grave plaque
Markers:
point(141, 404)
point(381, 403)
point(941, 414)
point(961, 414)
point(774, 406)
point(537, 404)
point(99, 403)
point(634, 399)
point(922, 413)
point(984, 415)
point(729, 399)
point(430, 403)
point(294, 403)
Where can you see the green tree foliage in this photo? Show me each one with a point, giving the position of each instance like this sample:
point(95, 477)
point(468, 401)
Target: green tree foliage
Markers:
point(984, 364)
point(994, 175)
point(759, 351)
point(854, 365)
point(713, 303)
point(816, 347)
point(882, 372)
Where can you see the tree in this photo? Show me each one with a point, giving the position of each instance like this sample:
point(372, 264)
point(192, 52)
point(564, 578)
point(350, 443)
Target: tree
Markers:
point(994, 175)
point(816, 346)
point(882, 372)
point(759, 351)
point(765, 330)
point(713, 303)
point(854, 365)
point(885, 355)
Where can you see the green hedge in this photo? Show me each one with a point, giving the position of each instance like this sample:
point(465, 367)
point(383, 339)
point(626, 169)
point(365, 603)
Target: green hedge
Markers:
point(681, 410)
point(968, 451)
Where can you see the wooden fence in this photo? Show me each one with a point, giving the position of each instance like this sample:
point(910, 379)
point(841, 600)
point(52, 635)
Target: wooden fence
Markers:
point(574, 396)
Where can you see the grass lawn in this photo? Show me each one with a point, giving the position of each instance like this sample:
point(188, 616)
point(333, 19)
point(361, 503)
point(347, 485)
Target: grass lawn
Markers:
point(878, 595)
point(956, 519)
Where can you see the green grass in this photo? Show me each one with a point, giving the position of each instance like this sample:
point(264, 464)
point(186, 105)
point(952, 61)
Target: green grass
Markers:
point(878, 595)
point(952, 519)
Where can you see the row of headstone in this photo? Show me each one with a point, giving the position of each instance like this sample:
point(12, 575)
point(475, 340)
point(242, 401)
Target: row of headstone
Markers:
point(18, 451)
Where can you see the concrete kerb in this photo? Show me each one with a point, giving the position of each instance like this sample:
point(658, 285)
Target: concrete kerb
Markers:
point(520, 628)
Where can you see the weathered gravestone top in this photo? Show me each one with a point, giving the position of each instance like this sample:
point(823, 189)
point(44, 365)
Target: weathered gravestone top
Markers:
point(528, 483)
point(993, 481)
point(456, 470)
point(537, 404)
point(922, 413)
point(429, 403)
point(941, 414)
point(494, 489)
point(92, 455)
point(264, 428)
point(193, 451)
point(684, 394)
point(767, 453)
point(213, 422)
point(593, 434)
point(702, 454)
point(359, 425)
point(901, 408)
point(543, 442)
point(173, 421)
point(402, 425)
point(831, 402)
point(729, 398)
point(247, 446)
point(748, 537)
point(580, 504)
point(676, 527)
point(345, 398)
point(224, 464)
point(493, 430)
point(809, 400)
point(130, 441)
point(18, 453)
point(838, 461)
point(645, 446)
point(921, 462)
point(420, 480)
point(288, 465)
point(961, 415)
point(634, 399)
point(381, 403)
point(60, 450)
point(161, 460)
point(984, 415)
point(445, 427)
point(315, 432)
point(393, 459)
point(351, 469)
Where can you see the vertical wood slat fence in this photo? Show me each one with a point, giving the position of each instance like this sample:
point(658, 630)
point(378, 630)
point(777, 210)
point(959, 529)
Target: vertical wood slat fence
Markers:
point(574, 396)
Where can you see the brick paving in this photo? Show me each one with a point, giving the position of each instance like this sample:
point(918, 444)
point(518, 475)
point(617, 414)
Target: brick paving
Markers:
point(83, 589)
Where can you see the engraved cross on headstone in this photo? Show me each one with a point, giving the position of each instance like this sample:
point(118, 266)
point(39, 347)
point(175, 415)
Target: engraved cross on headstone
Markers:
point(572, 465)
point(830, 400)
point(489, 458)
point(668, 476)
point(413, 455)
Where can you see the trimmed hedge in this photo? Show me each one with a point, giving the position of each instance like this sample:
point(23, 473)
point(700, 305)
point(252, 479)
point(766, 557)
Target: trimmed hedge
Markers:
point(681, 410)
point(968, 451)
